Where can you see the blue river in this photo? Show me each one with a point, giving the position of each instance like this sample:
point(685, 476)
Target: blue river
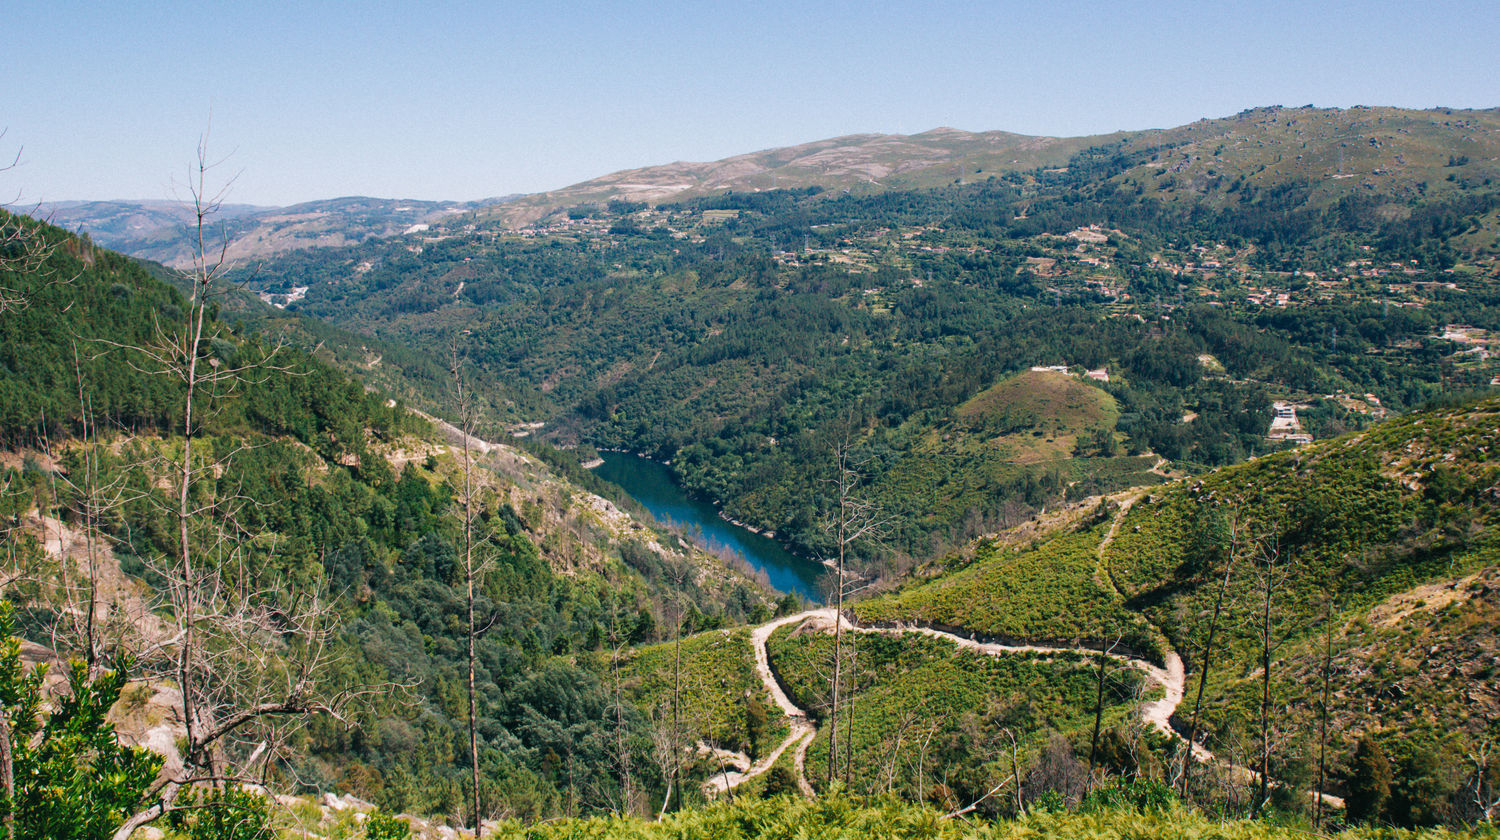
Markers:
point(654, 486)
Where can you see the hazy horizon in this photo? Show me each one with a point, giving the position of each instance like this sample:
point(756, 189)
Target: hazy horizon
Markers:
point(469, 101)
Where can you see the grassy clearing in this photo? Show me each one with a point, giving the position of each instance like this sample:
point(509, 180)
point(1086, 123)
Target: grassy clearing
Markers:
point(1052, 401)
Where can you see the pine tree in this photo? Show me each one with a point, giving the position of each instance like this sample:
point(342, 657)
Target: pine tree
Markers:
point(1369, 782)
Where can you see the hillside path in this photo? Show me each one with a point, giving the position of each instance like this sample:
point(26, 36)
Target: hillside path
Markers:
point(1172, 678)
point(802, 731)
point(1158, 713)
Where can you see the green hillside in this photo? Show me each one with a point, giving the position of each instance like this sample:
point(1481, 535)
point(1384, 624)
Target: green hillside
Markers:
point(736, 333)
point(1054, 592)
point(1370, 560)
point(712, 684)
point(1051, 365)
point(886, 818)
point(1381, 537)
point(325, 532)
point(928, 721)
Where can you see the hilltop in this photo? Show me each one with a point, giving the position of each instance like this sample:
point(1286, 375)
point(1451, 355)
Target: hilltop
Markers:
point(856, 162)
point(1383, 151)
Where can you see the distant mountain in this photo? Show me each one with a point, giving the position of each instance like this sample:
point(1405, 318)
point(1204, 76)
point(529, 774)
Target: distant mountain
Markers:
point(1326, 153)
point(1371, 150)
point(1196, 274)
point(856, 162)
point(159, 230)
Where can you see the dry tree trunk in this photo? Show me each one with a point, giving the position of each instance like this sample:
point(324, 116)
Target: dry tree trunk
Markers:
point(1235, 539)
point(856, 519)
point(467, 428)
point(1104, 652)
point(1270, 552)
point(1323, 720)
point(245, 653)
point(7, 772)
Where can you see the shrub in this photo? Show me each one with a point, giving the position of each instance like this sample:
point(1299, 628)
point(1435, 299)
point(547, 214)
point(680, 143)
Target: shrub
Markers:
point(72, 777)
point(1369, 782)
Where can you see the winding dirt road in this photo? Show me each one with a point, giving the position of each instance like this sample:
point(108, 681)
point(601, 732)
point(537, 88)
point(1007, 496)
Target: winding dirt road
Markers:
point(802, 730)
point(1158, 713)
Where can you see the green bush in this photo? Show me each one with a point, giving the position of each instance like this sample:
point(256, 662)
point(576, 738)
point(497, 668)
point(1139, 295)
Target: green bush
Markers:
point(74, 781)
point(223, 814)
point(1135, 795)
point(383, 826)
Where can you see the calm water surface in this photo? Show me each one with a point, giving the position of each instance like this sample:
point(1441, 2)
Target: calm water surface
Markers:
point(654, 486)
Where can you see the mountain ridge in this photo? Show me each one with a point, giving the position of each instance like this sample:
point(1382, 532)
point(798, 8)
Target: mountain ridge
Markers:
point(1364, 148)
point(159, 230)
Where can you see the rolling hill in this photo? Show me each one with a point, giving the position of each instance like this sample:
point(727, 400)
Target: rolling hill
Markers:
point(1385, 151)
point(734, 331)
point(1052, 336)
point(1329, 153)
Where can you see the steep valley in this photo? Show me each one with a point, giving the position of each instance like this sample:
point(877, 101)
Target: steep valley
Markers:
point(1155, 473)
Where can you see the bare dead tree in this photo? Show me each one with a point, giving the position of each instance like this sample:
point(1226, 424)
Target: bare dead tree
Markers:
point(1323, 710)
point(1015, 778)
point(1132, 729)
point(1269, 551)
point(86, 622)
point(856, 519)
point(1105, 649)
point(668, 733)
point(851, 710)
point(473, 568)
point(624, 756)
point(1236, 540)
point(249, 655)
point(909, 719)
point(1485, 796)
point(667, 751)
point(24, 250)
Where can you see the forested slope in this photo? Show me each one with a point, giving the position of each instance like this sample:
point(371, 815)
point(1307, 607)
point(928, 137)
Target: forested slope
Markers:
point(311, 500)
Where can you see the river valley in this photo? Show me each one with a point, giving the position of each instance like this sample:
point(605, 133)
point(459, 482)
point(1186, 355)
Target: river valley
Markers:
point(653, 485)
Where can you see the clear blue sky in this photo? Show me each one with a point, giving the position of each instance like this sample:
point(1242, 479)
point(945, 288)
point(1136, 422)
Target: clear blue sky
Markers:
point(465, 100)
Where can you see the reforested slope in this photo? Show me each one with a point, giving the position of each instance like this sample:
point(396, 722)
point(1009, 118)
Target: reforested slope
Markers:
point(1364, 566)
point(1355, 550)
